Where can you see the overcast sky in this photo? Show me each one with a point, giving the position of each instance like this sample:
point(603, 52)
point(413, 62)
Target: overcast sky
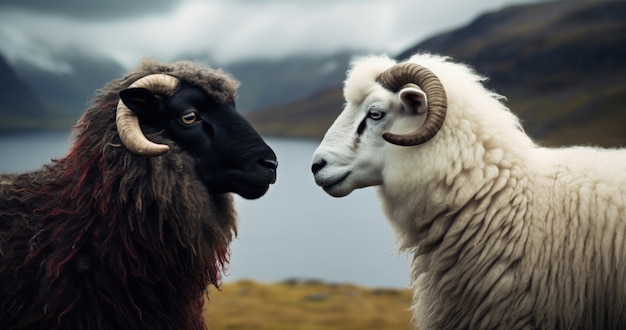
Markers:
point(44, 32)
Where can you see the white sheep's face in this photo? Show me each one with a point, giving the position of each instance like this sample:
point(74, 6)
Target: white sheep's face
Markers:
point(353, 152)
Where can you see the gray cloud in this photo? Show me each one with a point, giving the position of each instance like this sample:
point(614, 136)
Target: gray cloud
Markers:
point(92, 10)
point(39, 32)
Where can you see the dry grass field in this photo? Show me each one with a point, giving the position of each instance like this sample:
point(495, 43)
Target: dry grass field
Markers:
point(306, 305)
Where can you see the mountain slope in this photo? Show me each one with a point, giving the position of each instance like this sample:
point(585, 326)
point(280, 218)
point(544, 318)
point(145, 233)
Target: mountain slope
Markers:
point(67, 94)
point(560, 65)
point(270, 82)
point(18, 103)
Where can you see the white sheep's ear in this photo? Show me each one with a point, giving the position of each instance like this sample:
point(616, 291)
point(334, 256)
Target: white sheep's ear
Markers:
point(413, 99)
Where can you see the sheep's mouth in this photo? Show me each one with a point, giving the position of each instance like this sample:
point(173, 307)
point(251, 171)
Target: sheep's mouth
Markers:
point(253, 185)
point(252, 191)
point(249, 184)
point(329, 187)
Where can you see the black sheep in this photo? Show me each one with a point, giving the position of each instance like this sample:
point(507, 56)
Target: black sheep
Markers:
point(127, 233)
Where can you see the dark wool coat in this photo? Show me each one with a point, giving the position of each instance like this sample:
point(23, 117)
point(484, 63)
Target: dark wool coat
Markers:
point(106, 239)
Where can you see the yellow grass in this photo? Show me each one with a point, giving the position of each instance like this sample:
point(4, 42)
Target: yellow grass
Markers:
point(306, 305)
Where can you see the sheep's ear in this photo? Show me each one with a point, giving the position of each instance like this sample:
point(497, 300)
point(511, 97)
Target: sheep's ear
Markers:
point(413, 99)
point(141, 101)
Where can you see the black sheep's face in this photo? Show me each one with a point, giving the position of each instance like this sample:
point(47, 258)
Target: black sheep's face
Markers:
point(230, 155)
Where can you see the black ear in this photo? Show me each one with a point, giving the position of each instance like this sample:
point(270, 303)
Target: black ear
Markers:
point(142, 102)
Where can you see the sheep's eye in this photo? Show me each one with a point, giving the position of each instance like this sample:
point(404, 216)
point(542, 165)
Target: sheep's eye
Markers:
point(189, 118)
point(375, 113)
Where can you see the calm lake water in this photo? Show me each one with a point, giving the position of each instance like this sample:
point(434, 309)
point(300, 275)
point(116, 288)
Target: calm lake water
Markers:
point(294, 231)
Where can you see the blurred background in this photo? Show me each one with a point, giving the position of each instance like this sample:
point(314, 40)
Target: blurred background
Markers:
point(561, 65)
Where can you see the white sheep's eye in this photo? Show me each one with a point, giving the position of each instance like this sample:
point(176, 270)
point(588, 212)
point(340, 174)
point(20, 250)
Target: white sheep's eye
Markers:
point(189, 118)
point(375, 113)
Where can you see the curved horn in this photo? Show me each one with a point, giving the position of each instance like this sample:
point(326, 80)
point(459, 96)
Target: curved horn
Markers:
point(395, 78)
point(128, 125)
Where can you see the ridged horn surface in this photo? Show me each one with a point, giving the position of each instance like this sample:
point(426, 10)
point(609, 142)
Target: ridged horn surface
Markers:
point(401, 74)
point(128, 125)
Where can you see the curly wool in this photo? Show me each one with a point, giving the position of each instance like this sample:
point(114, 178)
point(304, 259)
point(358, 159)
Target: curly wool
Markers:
point(106, 239)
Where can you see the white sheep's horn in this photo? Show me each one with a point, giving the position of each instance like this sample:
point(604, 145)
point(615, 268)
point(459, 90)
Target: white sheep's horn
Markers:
point(401, 74)
point(128, 125)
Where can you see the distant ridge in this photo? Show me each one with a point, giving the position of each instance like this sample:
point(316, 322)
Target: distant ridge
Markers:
point(32, 98)
point(65, 94)
point(16, 96)
point(561, 66)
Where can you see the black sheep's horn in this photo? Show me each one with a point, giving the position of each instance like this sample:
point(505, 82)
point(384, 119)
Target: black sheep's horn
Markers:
point(128, 125)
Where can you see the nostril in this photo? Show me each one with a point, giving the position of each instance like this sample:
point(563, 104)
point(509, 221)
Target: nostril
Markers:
point(269, 163)
point(318, 166)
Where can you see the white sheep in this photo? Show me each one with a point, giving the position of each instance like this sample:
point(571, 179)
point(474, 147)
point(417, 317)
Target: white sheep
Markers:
point(503, 233)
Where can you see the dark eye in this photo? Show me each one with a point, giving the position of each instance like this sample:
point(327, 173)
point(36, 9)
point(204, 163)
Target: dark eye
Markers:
point(189, 118)
point(376, 113)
